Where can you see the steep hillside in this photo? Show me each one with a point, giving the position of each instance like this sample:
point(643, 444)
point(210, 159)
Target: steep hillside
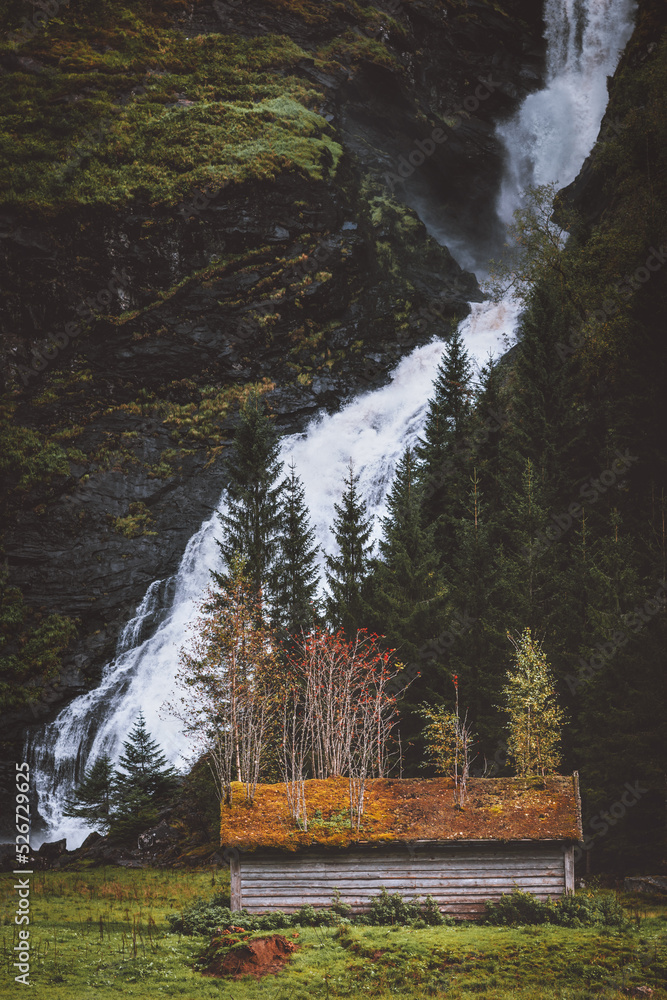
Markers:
point(200, 198)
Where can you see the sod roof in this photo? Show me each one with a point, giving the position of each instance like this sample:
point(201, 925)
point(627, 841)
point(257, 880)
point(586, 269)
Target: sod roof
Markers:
point(400, 810)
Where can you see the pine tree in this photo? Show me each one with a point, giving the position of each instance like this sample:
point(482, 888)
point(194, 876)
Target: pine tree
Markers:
point(528, 552)
point(348, 571)
point(143, 767)
point(488, 433)
point(93, 798)
point(252, 518)
point(541, 405)
point(444, 451)
point(294, 605)
point(477, 655)
point(407, 593)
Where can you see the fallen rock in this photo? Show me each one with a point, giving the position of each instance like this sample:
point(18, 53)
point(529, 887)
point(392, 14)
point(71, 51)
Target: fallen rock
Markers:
point(157, 837)
point(656, 884)
point(90, 841)
point(49, 853)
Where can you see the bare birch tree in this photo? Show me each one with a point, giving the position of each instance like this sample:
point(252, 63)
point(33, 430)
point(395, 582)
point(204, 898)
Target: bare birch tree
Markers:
point(223, 681)
point(338, 715)
point(295, 749)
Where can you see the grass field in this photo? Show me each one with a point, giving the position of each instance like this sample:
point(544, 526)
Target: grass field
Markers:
point(101, 932)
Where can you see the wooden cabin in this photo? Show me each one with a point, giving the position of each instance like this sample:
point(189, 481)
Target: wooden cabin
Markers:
point(512, 833)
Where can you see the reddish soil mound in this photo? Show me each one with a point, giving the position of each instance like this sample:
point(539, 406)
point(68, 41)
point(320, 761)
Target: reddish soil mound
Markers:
point(260, 957)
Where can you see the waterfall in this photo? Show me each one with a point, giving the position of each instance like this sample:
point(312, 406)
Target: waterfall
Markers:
point(555, 129)
point(546, 141)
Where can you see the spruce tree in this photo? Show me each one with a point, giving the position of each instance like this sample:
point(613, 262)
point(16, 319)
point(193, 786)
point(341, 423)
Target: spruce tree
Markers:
point(144, 767)
point(252, 519)
point(295, 580)
point(93, 798)
point(407, 592)
point(528, 554)
point(348, 571)
point(477, 655)
point(489, 427)
point(542, 411)
point(444, 451)
point(407, 597)
point(143, 784)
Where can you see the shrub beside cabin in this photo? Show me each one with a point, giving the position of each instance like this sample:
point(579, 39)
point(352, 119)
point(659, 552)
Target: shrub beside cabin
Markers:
point(512, 833)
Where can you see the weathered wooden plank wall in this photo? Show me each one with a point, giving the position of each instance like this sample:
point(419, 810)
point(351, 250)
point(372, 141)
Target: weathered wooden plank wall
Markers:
point(459, 877)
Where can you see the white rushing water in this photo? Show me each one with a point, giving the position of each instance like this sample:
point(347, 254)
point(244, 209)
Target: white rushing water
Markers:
point(546, 141)
point(555, 128)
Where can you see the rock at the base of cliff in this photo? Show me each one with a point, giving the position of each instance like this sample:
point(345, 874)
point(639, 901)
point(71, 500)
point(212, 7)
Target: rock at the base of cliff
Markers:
point(655, 884)
point(90, 841)
point(159, 836)
point(49, 853)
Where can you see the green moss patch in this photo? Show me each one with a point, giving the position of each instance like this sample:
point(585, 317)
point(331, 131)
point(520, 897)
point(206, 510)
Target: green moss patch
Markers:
point(146, 113)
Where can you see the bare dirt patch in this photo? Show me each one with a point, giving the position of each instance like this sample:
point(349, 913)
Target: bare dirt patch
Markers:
point(264, 956)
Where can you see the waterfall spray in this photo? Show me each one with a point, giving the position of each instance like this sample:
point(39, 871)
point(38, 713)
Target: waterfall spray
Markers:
point(555, 129)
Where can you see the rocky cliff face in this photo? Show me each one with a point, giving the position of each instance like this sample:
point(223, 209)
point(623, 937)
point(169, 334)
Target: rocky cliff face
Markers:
point(133, 324)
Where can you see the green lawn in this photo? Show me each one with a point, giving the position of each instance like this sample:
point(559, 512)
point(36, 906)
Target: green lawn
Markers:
point(99, 932)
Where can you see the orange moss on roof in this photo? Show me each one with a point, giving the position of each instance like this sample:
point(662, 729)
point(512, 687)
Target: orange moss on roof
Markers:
point(407, 809)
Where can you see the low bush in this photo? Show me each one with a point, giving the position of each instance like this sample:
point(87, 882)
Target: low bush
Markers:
point(581, 910)
point(392, 909)
point(210, 916)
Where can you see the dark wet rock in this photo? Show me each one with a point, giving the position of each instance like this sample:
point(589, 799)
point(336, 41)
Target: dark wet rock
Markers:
point(654, 884)
point(48, 853)
point(90, 841)
point(157, 837)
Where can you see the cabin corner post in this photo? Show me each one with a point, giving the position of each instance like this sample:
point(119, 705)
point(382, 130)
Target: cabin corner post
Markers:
point(235, 882)
point(568, 856)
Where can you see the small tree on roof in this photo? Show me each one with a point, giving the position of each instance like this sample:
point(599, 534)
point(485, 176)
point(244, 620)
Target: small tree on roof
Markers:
point(449, 741)
point(535, 718)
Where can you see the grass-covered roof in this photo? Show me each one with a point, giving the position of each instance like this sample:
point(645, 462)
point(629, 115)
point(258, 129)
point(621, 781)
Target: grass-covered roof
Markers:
point(402, 810)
